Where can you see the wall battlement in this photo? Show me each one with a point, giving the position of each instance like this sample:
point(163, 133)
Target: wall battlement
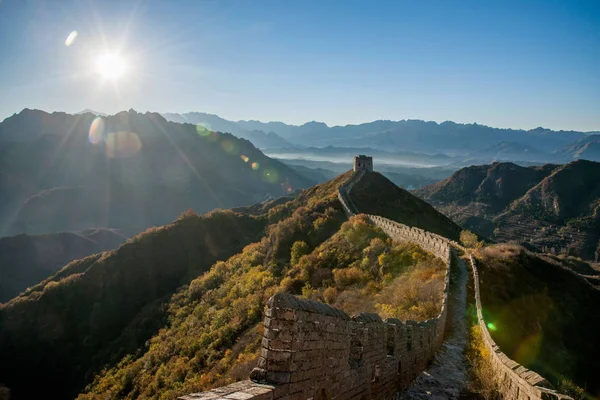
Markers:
point(514, 381)
point(313, 351)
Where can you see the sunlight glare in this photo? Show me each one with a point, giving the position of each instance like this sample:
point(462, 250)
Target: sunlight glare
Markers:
point(111, 66)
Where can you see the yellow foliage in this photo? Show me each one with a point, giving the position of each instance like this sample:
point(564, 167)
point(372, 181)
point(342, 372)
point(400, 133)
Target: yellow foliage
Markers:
point(346, 277)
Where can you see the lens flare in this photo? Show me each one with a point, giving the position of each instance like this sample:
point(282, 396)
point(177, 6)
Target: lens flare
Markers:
point(202, 130)
point(71, 38)
point(255, 165)
point(528, 349)
point(270, 175)
point(245, 158)
point(212, 136)
point(122, 144)
point(491, 326)
point(96, 132)
point(230, 147)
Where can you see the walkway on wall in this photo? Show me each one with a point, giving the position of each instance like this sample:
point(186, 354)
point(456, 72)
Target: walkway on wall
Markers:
point(447, 376)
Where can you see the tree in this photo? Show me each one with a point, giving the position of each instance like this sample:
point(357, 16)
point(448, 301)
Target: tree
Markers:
point(469, 239)
point(299, 248)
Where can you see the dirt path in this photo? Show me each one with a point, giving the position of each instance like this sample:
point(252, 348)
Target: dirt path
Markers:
point(447, 376)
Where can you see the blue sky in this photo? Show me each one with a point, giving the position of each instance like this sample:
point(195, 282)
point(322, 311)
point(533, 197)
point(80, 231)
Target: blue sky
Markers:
point(518, 64)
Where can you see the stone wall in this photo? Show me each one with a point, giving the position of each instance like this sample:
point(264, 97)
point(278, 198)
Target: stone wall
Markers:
point(344, 194)
point(435, 244)
point(514, 381)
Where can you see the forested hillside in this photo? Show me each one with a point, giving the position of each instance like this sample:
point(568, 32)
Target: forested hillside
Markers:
point(215, 325)
point(96, 310)
point(542, 315)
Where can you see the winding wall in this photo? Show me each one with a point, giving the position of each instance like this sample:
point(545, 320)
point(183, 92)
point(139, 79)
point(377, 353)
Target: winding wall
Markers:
point(514, 381)
point(313, 351)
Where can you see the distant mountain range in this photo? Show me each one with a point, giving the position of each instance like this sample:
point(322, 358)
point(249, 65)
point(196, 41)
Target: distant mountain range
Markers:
point(417, 142)
point(260, 138)
point(544, 206)
point(130, 171)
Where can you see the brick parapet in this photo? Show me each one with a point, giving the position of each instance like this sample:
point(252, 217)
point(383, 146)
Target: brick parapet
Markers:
point(514, 381)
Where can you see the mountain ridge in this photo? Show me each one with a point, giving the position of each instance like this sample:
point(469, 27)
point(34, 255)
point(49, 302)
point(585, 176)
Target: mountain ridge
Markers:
point(548, 206)
point(128, 171)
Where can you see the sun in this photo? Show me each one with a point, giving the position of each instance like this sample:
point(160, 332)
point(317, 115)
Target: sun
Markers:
point(110, 66)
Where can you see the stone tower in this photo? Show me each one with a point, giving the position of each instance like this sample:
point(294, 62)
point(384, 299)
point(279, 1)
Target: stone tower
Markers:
point(363, 162)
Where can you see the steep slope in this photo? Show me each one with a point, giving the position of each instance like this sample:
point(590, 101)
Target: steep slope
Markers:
point(544, 316)
point(375, 194)
point(100, 308)
point(571, 191)
point(586, 148)
point(214, 333)
point(129, 171)
point(550, 206)
point(495, 185)
point(25, 260)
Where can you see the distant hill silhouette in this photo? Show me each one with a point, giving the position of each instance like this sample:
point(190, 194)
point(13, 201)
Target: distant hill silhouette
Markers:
point(587, 148)
point(87, 110)
point(511, 151)
point(61, 172)
point(448, 137)
point(260, 138)
point(546, 206)
point(26, 260)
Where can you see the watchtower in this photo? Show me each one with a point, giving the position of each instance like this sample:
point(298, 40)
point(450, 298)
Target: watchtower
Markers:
point(362, 162)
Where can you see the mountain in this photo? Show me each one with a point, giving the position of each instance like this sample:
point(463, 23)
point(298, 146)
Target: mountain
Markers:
point(129, 171)
point(495, 185)
point(96, 113)
point(587, 148)
point(260, 138)
point(378, 195)
point(98, 309)
point(545, 316)
point(472, 143)
point(316, 175)
point(510, 151)
point(430, 137)
point(161, 316)
point(570, 191)
point(26, 260)
point(546, 206)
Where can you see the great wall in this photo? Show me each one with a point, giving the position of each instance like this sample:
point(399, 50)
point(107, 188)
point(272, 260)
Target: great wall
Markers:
point(313, 351)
